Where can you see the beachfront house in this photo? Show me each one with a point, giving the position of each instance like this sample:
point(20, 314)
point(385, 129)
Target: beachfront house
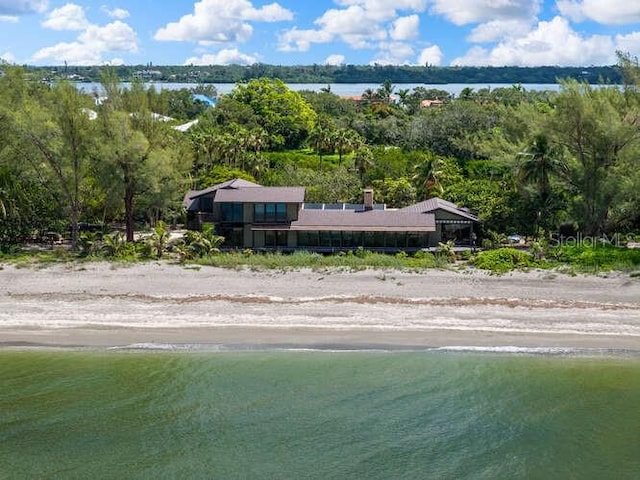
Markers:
point(252, 216)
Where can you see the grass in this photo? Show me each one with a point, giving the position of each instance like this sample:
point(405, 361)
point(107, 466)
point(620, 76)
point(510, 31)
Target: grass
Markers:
point(597, 258)
point(349, 261)
point(568, 259)
point(302, 259)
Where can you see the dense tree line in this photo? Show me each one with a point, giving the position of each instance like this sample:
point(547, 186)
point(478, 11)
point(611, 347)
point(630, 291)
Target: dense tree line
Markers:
point(525, 161)
point(339, 73)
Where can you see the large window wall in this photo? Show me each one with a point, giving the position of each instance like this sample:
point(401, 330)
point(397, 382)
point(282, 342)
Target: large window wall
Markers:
point(354, 239)
point(269, 212)
point(232, 212)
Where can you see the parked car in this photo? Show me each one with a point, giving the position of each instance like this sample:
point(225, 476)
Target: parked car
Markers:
point(514, 238)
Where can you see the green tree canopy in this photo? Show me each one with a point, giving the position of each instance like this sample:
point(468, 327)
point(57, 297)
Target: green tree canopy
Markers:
point(281, 111)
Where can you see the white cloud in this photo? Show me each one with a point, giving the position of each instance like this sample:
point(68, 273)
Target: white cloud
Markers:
point(394, 53)
point(431, 55)
point(115, 36)
point(551, 43)
point(334, 59)
point(118, 13)
point(610, 12)
point(221, 21)
point(405, 28)
point(9, 18)
point(385, 10)
point(74, 53)
point(629, 43)
point(92, 44)
point(462, 12)
point(301, 40)
point(224, 57)
point(8, 57)
point(355, 26)
point(22, 7)
point(68, 17)
point(361, 24)
point(497, 30)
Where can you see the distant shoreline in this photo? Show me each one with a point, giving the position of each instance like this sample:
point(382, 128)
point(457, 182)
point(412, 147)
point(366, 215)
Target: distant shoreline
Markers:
point(327, 74)
point(105, 305)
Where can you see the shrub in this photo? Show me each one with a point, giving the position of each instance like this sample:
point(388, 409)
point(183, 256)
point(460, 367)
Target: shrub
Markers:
point(597, 257)
point(503, 260)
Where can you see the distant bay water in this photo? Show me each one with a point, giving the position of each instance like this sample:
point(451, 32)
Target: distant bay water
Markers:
point(310, 414)
point(342, 89)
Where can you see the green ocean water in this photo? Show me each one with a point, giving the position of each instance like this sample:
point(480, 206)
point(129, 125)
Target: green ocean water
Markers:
point(305, 414)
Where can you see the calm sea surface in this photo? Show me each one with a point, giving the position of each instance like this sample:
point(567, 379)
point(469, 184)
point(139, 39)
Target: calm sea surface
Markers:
point(305, 414)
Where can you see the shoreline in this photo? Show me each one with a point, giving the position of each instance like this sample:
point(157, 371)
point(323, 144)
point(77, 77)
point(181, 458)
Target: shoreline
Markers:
point(102, 305)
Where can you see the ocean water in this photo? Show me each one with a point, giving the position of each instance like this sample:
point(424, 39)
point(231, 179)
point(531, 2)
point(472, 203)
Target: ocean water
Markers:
point(309, 414)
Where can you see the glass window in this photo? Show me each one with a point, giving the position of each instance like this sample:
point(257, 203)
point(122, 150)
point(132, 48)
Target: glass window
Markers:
point(378, 239)
point(270, 212)
point(269, 238)
point(232, 212)
point(275, 238)
point(369, 239)
point(282, 238)
point(258, 212)
point(233, 237)
point(348, 239)
point(325, 239)
point(336, 240)
point(412, 240)
point(308, 239)
point(206, 204)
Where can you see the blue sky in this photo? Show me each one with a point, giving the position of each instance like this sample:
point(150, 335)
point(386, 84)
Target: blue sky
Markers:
point(304, 32)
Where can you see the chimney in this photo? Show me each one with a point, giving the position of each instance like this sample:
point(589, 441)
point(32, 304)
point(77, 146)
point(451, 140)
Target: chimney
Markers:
point(368, 199)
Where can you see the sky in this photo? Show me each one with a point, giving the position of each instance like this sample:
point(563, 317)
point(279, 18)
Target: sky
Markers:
point(306, 32)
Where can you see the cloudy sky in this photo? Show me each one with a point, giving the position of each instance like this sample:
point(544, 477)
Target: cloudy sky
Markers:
point(296, 32)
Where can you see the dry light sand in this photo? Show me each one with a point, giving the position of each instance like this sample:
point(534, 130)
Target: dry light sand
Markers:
point(104, 305)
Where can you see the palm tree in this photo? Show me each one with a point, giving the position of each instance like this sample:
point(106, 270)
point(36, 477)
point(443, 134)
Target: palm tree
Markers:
point(321, 137)
point(403, 95)
point(362, 160)
point(428, 174)
point(385, 91)
point(538, 164)
point(344, 141)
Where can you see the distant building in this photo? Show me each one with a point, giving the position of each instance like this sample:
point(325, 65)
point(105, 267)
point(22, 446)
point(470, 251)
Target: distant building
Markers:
point(249, 215)
point(210, 102)
point(430, 103)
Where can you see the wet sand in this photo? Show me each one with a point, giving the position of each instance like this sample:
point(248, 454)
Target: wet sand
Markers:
point(108, 305)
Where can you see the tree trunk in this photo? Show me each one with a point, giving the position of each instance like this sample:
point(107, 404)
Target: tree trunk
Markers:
point(75, 227)
point(129, 194)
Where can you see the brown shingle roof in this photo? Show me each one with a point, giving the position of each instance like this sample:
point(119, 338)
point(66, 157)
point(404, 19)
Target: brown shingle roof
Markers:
point(433, 204)
point(262, 194)
point(235, 183)
point(372, 221)
point(189, 199)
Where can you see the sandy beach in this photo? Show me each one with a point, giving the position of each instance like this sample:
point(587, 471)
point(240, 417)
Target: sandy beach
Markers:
point(112, 305)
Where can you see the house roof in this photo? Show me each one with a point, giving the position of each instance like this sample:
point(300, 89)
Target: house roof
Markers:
point(192, 195)
point(262, 194)
point(185, 126)
point(371, 220)
point(433, 204)
point(211, 102)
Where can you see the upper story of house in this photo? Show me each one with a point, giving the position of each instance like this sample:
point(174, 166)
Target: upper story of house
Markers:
point(242, 202)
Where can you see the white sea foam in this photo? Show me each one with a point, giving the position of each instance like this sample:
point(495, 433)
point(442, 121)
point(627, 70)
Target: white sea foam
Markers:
point(511, 349)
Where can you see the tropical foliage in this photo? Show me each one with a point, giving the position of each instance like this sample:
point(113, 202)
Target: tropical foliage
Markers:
point(529, 162)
